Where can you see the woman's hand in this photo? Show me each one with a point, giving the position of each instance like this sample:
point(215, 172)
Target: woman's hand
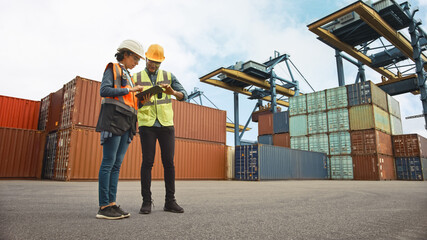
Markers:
point(137, 88)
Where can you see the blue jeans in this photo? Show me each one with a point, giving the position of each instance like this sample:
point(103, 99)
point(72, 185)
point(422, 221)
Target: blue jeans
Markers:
point(113, 150)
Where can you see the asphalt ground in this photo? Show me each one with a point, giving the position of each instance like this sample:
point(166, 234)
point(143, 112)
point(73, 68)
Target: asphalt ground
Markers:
point(219, 210)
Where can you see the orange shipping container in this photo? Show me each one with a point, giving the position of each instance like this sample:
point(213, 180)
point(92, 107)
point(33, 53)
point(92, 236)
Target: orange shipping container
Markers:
point(81, 103)
point(370, 142)
point(79, 156)
point(282, 140)
point(373, 167)
point(19, 113)
point(21, 152)
point(265, 124)
point(409, 145)
point(50, 111)
point(194, 121)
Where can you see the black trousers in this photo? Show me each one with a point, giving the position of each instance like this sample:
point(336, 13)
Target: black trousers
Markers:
point(166, 138)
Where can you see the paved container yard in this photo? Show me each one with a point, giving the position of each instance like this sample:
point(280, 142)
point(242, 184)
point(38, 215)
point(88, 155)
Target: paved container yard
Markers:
point(220, 210)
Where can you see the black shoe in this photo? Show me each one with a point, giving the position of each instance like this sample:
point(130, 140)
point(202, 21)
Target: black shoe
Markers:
point(146, 207)
point(120, 211)
point(108, 213)
point(172, 206)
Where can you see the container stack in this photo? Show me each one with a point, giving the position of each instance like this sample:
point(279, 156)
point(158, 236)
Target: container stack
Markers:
point(273, 129)
point(410, 151)
point(370, 132)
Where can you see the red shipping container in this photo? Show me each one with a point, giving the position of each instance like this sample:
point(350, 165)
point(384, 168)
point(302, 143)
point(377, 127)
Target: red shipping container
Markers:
point(409, 145)
point(373, 167)
point(21, 152)
point(370, 142)
point(19, 113)
point(282, 140)
point(265, 124)
point(55, 109)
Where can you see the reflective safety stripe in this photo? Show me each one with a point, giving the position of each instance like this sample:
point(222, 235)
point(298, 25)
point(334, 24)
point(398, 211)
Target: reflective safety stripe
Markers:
point(118, 80)
point(128, 99)
point(120, 104)
point(163, 101)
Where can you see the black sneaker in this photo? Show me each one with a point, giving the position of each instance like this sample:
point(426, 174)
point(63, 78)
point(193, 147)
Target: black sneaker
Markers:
point(146, 207)
point(108, 213)
point(172, 206)
point(120, 211)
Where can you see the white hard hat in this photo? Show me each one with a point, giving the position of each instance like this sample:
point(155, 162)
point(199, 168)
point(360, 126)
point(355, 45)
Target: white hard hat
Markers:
point(133, 46)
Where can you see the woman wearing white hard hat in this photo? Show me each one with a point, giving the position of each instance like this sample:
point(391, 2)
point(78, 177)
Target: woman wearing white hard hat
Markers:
point(117, 124)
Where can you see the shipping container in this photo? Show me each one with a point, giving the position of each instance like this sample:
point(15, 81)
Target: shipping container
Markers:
point(366, 93)
point(317, 123)
point(21, 152)
point(410, 168)
point(341, 167)
point(281, 122)
point(265, 139)
point(229, 168)
point(319, 143)
point(79, 156)
point(265, 124)
point(339, 143)
point(81, 103)
point(48, 169)
point(298, 105)
point(409, 145)
point(300, 143)
point(371, 141)
point(19, 113)
point(255, 115)
point(396, 127)
point(316, 102)
point(266, 162)
point(282, 140)
point(369, 117)
point(338, 120)
point(55, 110)
point(373, 167)
point(198, 122)
point(43, 113)
point(298, 125)
point(336, 98)
point(393, 106)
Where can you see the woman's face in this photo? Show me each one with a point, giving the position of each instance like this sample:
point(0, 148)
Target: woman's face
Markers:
point(130, 61)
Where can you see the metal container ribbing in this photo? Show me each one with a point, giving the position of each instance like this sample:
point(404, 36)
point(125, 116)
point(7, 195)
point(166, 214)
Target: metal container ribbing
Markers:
point(341, 167)
point(393, 106)
point(44, 112)
point(396, 127)
point(281, 122)
point(49, 156)
point(265, 124)
point(265, 139)
point(21, 152)
point(366, 93)
point(373, 167)
point(369, 117)
point(410, 168)
point(282, 140)
point(316, 102)
point(317, 123)
point(338, 120)
point(336, 98)
point(297, 105)
point(409, 145)
point(300, 143)
point(319, 143)
point(339, 143)
point(265, 162)
point(371, 142)
point(19, 113)
point(298, 125)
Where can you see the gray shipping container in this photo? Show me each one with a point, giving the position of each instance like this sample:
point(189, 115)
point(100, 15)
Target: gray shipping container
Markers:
point(265, 139)
point(266, 162)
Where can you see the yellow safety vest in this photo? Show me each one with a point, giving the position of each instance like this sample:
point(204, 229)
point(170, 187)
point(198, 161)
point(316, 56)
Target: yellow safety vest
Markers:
point(156, 108)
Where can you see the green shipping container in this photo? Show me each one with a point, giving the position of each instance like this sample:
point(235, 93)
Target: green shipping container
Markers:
point(369, 117)
point(393, 106)
point(316, 102)
point(317, 123)
point(319, 143)
point(336, 98)
point(300, 143)
point(341, 167)
point(298, 125)
point(395, 125)
point(338, 120)
point(298, 105)
point(339, 143)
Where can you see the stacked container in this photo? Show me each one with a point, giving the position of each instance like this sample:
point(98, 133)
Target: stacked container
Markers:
point(395, 117)
point(370, 132)
point(18, 113)
point(273, 129)
point(410, 151)
point(298, 129)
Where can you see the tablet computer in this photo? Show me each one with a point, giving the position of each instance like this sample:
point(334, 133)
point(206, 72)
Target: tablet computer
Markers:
point(154, 90)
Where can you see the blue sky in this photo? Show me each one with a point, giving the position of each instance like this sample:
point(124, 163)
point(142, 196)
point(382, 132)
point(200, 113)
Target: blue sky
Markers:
point(45, 44)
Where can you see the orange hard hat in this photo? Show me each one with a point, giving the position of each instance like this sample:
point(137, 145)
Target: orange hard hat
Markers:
point(155, 53)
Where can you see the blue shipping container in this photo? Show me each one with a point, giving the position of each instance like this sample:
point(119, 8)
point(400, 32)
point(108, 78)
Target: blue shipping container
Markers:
point(265, 139)
point(409, 168)
point(266, 162)
point(281, 122)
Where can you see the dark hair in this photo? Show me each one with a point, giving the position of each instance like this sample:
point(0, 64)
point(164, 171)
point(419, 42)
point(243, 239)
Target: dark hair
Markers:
point(120, 55)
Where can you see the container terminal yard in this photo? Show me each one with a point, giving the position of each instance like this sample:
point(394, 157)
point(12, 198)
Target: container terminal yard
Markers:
point(328, 164)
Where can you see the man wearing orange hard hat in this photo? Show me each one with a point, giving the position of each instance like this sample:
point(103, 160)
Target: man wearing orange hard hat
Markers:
point(155, 121)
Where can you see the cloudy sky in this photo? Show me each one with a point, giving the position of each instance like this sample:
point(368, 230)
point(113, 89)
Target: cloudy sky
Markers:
point(45, 44)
